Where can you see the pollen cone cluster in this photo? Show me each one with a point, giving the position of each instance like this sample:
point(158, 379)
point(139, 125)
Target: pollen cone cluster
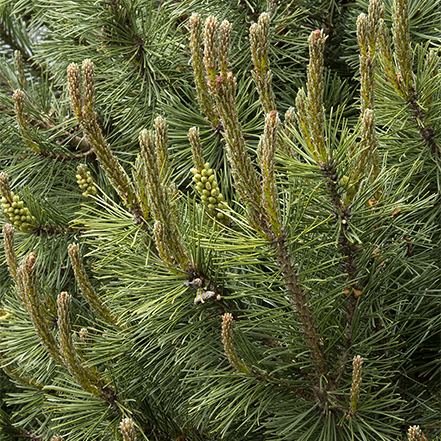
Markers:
point(14, 208)
point(207, 187)
point(85, 181)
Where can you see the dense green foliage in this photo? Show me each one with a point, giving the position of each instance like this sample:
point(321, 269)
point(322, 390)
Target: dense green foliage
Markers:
point(239, 317)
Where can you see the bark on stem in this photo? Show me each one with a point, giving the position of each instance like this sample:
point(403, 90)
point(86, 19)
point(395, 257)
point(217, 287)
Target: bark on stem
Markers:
point(295, 292)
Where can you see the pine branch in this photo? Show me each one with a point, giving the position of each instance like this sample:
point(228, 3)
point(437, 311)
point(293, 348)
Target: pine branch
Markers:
point(242, 169)
point(74, 141)
point(402, 76)
point(86, 287)
point(13, 374)
point(45, 122)
point(262, 200)
point(205, 100)
point(241, 366)
point(26, 278)
point(83, 104)
point(303, 310)
point(402, 46)
point(259, 39)
point(167, 236)
point(88, 379)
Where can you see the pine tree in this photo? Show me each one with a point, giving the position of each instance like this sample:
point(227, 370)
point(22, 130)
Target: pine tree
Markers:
point(220, 220)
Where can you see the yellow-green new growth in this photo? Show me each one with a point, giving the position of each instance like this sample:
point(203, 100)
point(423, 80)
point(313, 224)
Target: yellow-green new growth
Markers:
point(290, 120)
point(315, 88)
point(211, 51)
point(368, 145)
point(26, 281)
point(18, 98)
point(90, 380)
point(75, 91)
point(204, 98)
point(18, 59)
point(228, 343)
point(368, 35)
point(167, 236)
point(67, 349)
point(302, 120)
point(402, 46)
point(161, 141)
point(268, 143)
point(139, 178)
point(385, 49)
point(310, 112)
point(375, 14)
point(357, 364)
point(244, 174)
point(367, 84)
point(368, 27)
point(398, 65)
point(224, 46)
point(83, 102)
point(259, 40)
point(86, 287)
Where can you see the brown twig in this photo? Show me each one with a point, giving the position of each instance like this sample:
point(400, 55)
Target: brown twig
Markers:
point(349, 266)
point(426, 132)
point(46, 124)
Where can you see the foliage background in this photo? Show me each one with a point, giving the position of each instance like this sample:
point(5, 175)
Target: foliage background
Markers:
point(168, 365)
